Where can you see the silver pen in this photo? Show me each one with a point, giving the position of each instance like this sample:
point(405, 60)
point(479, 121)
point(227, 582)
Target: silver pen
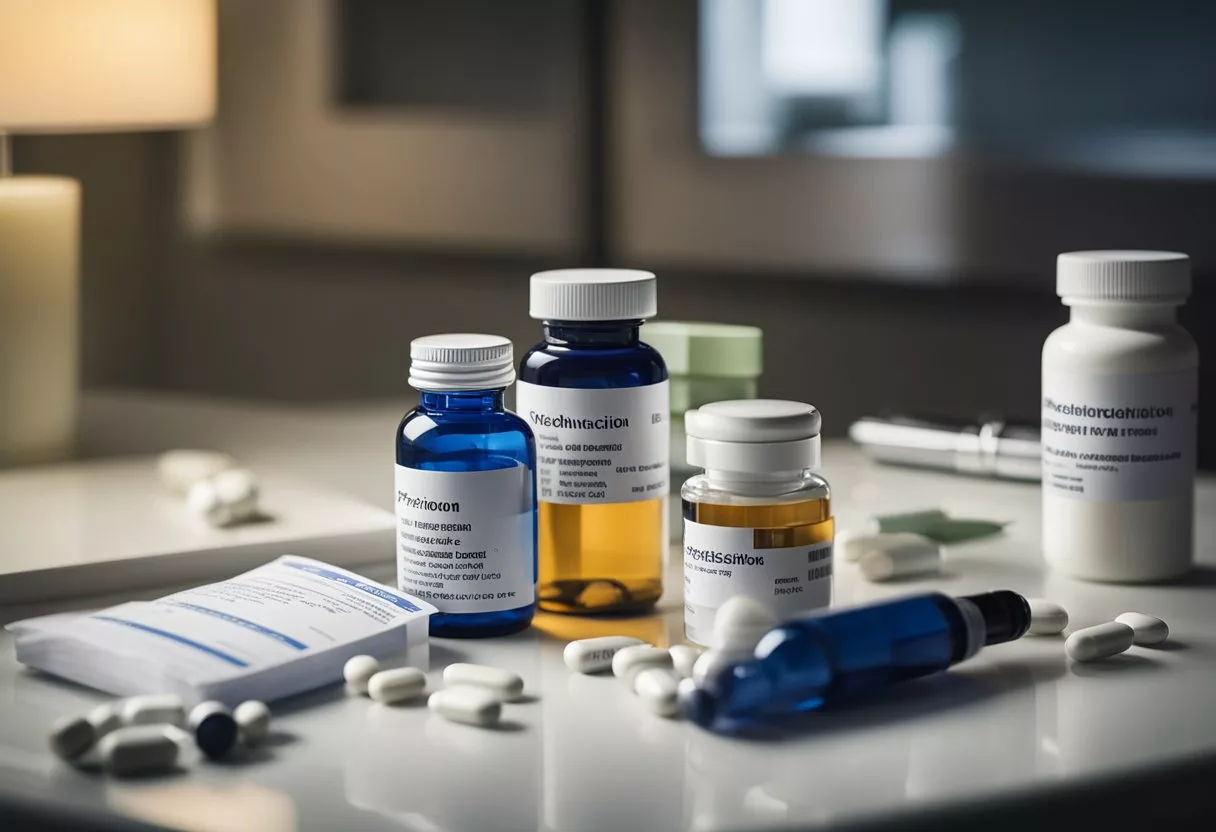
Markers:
point(987, 448)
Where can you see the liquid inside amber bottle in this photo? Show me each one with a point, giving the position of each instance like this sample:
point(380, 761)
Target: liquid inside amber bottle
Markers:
point(759, 521)
point(596, 398)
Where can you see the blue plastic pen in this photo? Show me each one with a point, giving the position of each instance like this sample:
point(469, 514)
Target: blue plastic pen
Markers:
point(810, 662)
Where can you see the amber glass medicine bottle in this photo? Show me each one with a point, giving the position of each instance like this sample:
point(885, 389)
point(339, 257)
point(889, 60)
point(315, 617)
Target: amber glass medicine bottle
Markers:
point(758, 522)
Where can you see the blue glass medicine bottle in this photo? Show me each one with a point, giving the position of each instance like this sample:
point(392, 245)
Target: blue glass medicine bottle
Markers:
point(466, 490)
point(597, 399)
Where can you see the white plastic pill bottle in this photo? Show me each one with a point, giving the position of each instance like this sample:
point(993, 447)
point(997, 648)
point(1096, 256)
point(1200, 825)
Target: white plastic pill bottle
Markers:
point(1119, 409)
point(759, 521)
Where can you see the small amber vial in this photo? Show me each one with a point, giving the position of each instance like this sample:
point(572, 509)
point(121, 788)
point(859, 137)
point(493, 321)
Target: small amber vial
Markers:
point(758, 522)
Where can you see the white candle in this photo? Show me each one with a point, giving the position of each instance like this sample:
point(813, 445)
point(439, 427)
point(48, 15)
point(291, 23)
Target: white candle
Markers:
point(39, 240)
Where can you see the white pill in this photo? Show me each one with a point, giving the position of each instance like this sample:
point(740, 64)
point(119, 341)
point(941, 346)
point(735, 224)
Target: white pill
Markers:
point(71, 736)
point(504, 684)
point(182, 468)
point(1148, 629)
point(105, 718)
point(658, 688)
point(226, 499)
point(899, 555)
point(740, 623)
point(357, 671)
point(711, 662)
point(396, 685)
point(166, 708)
point(592, 655)
point(1047, 618)
point(470, 705)
point(1092, 643)
point(140, 749)
point(852, 545)
point(683, 657)
point(253, 720)
point(629, 661)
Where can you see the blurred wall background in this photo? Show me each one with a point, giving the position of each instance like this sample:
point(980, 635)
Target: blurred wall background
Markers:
point(382, 170)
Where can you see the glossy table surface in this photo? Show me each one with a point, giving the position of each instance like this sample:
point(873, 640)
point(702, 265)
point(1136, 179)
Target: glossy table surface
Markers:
point(1016, 724)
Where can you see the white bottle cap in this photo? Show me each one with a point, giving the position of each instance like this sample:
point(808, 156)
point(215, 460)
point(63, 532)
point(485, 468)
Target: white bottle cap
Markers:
point(1123, 275)
point(461, 362)
point(753, 436)
point(593, 295)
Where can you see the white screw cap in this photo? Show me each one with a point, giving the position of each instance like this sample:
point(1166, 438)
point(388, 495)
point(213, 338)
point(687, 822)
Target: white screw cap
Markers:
point(461, 361)
point(593, 295)
point(1123, 275)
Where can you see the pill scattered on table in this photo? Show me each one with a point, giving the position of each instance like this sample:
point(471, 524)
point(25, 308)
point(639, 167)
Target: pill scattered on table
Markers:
point(592, 655)
point(1149, 629)
point(504, 684)
point(357, 671)
point(253, 721)
point(683, 657)
point(215, 729)
point(630, 661)
point(228, 498)
point(468, 705)
point(852, 545)
point(399, 684)
point(899, 555)
point(740, 623)
point(711, 662)
point(658, 688)
point(166, 708)
point(1047, 618)
point(180, 469)
point(1099, 642)
point(71, 736)
point(105, 718)
point(139, 749)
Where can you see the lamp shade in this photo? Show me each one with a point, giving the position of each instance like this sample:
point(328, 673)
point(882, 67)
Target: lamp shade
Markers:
point(105, 65)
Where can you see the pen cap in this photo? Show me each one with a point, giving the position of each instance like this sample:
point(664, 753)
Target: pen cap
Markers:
point(753, 436)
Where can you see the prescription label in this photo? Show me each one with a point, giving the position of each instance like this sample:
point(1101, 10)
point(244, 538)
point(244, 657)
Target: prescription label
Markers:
point(466, 539)
point(598, 446)
point(1119, 437)
point(721, 562)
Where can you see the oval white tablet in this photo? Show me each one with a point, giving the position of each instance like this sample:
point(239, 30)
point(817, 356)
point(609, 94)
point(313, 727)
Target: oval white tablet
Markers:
point(504, 684)
point(154, 709)
point(357, 671)
point(139, 749)
point(628, 662)
point(253, 719)
point(657, 687)
point(468, 705)
point(71, 736)
point(396, 685)
point(1047, 618)
point(1093, 643)
point(592, 655)
point(683, 657)
point(1148, 629)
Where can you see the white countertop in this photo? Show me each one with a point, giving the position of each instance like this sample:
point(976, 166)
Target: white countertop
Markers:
point(1015, 728)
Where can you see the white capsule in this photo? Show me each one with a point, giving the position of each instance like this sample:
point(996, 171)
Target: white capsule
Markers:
point(852, 545)
point(1092, 643)
point(710, 662)
point(140, 749)
point(629, 661)
point(105, 718)
point(504, 684)
point(658, 689)
point(72, 736)
point(899, 555)
point(357, 671)
point(182, 468)
point(1148, 629)
point(683, 657)
point(470, 705)
point(592, 655)
point(389, 687)
point(740, 623)
point(1047, 618)
point(155, 709)
point(226, 499)
point(253, 720)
